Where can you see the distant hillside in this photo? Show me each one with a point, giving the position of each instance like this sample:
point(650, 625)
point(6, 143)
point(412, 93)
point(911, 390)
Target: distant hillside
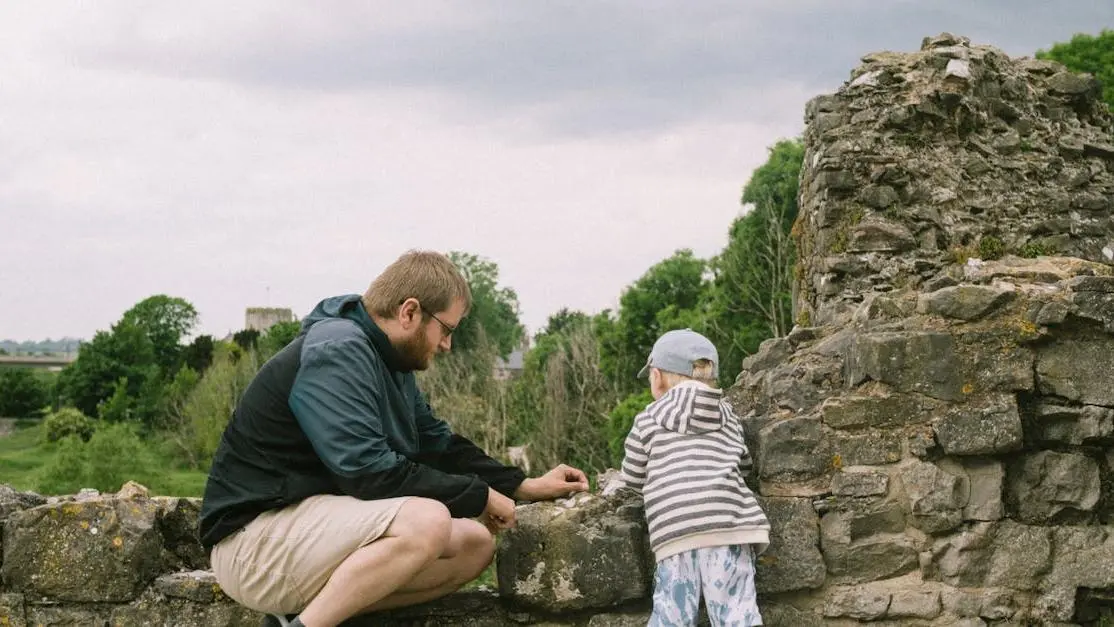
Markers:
point(63, 345)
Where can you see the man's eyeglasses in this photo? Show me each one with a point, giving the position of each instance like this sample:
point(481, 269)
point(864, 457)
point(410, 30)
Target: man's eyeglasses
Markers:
point(448, 328)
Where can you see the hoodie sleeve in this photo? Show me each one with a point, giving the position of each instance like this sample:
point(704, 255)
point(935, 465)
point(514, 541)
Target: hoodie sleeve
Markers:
point(454, 453)
point(336, 403)
point(746, 462)
point(635, 455)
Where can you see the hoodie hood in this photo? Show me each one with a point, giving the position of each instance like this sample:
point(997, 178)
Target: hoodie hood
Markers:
point(351, 307)
point(348, 307)
point(691, 407)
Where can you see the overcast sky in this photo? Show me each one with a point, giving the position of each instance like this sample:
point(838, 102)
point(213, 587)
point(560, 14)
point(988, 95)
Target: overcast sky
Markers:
point(275, 153)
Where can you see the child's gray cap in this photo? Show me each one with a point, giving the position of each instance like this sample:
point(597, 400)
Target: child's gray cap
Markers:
point(677, 350)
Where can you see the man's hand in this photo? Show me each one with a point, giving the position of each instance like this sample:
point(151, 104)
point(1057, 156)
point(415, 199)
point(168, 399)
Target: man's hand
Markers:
point(561, 481)
point(499, 513)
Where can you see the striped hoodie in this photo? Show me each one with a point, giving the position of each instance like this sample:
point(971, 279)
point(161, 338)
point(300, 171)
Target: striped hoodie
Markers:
point(685, 454)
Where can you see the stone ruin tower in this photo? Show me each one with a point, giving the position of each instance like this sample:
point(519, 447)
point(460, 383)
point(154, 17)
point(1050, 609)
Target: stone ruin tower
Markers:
point(940, 422)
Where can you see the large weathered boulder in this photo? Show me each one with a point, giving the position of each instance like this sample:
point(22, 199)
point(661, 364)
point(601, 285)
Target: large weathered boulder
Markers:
point(1068, 370)
point(989, 424)
point(473, 608)
point(1045, 483)
point(987, 555)
point(965, 302)
point(864, 540)
point(1074, 425)
point(792, 561)
point(184, 598)
point(100, 550)
point(585, 552)
point(923, 362)
point(12, 500)
point(177, 521)
point(794, 457)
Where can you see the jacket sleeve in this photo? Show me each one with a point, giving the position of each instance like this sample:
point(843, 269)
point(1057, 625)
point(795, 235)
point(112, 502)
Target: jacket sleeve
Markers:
point(336, 402)
point(635, 455)
point(453, 453)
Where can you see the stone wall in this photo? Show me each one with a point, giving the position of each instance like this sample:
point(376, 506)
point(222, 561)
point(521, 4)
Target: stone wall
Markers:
point(123, 560)
point(926, 159)
point(946, 404)
point(131, 560)
point(933, 440)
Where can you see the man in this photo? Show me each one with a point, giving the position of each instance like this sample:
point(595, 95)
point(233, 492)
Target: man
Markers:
point(334, 490)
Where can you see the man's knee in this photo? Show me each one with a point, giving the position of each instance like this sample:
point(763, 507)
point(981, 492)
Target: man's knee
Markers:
point(478, 545)
point(426, 523)
point(477, 538)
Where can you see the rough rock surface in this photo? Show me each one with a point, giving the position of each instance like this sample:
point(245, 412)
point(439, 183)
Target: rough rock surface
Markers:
point(952, 373)
point(562, 556)
point(123, 560)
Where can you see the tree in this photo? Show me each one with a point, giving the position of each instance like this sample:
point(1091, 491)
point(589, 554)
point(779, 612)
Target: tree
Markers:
point(559, 404)
point(494, 308)
point(166, 321)
point(113, 455)
point(120, 374)
point(671, 295)
point(564, 320)
point(277, 337)
point(23, 393)
point(1093, 54)
point(124, 354)
point(246, 338)
point(750, 295)
point(66, 422)
point(199, 354)
point(197, 411)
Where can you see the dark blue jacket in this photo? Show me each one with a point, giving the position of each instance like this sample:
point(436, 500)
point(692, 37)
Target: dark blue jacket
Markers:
point(335, 413)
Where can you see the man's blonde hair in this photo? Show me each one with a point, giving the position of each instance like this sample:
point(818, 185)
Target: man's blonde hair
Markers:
point(428, 276)
point(703, 370)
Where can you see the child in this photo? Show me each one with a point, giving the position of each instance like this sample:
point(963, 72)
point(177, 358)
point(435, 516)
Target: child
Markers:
point(685, 454)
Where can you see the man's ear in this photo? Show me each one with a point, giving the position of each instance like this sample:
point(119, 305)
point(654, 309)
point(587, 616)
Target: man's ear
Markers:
point(409, 312)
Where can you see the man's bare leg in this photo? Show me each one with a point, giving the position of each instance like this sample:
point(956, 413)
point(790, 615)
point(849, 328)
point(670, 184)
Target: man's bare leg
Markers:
point(470, 550)
point(418, 536)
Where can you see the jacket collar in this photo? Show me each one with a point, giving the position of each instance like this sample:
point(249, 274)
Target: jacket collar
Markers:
point(356, 312)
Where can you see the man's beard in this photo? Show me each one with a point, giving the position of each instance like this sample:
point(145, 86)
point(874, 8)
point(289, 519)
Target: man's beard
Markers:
point(413, 353)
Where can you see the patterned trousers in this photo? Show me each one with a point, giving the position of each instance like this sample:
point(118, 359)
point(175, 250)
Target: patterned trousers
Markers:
point(725, 576)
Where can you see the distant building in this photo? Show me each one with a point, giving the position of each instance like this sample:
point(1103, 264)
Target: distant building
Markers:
point(510, 367)
point(263, 318)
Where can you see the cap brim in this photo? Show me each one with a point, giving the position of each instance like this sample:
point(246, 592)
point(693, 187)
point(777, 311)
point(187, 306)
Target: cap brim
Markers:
point(645, 372)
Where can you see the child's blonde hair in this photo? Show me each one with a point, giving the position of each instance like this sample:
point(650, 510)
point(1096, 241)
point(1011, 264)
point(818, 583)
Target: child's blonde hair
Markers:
point(703, 370)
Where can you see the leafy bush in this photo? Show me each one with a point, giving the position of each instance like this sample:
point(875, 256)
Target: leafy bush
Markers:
point(67, 422)
point(195, 422)
point(277, 337)
point(23, 393)
point(114, 455)
point(64, 473)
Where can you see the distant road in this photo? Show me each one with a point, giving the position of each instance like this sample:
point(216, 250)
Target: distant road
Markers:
point(37, 361)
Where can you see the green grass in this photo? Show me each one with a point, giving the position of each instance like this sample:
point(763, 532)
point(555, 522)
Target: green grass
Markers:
point(486, 578)
point(22, 455)
point(25, 453)
point(179, 483)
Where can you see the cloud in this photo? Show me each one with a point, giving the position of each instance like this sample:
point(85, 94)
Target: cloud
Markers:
point(580, 67)
point(273, 152)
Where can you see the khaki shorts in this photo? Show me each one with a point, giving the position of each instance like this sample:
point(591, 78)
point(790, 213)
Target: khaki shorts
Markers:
point(280, 561)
